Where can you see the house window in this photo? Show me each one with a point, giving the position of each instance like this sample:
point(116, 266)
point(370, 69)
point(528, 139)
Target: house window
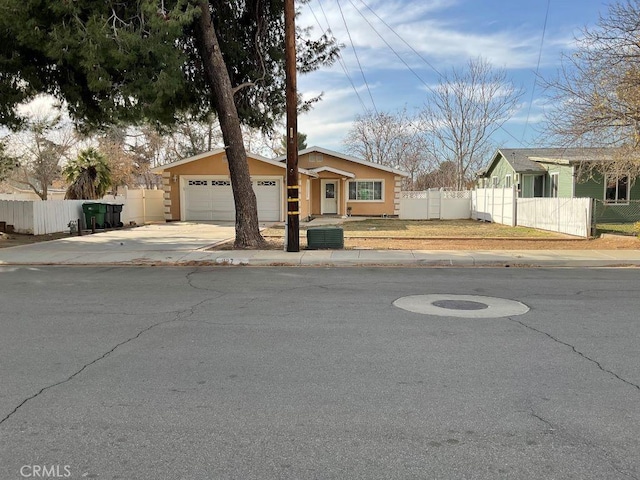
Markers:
point(507, 181)
point(315, 158)
point(495, 181)
point(553, 184)
point(365, 190)
point(616, 189)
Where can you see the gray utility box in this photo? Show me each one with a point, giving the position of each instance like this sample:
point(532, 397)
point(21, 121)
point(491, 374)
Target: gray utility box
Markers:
point(325, 237)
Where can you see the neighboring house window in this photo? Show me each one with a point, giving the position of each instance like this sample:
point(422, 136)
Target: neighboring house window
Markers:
point(507, 181)
point(616, 189)
point(495, 181)
point(553, 184)
point(315, 158)
point(365, 190)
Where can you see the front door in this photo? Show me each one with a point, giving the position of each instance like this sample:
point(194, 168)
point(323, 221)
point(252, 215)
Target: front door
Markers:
point(330, 197)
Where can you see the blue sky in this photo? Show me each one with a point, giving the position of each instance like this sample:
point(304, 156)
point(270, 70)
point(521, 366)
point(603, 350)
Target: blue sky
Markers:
point(446, 33)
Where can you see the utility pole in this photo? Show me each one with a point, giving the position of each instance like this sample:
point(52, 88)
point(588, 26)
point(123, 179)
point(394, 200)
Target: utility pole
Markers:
point(293, 189)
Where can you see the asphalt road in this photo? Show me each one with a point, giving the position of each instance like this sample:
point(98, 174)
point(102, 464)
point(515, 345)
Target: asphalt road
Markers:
point(292, 373)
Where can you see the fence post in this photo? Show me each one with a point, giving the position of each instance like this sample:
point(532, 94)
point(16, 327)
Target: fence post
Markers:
point(514, 206)
point(592, 212)
point(144, 207)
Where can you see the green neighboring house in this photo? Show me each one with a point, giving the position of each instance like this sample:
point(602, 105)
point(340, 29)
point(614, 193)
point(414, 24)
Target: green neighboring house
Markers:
point(553, 172)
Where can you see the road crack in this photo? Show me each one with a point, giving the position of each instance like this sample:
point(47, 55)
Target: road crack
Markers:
point(575, 350)
point(601, 452)
point(180, 315)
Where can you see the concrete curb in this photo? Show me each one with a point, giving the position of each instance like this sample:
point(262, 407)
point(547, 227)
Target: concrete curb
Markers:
point(336, 258)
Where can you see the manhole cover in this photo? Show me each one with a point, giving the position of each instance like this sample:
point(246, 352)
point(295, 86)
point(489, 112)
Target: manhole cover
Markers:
point(462, 306)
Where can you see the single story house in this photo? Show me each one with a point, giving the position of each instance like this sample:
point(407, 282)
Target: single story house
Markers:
point(554, 172)
point(346, 185)
point(199, 187)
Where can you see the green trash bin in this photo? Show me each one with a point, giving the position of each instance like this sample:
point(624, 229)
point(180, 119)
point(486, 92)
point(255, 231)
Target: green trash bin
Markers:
point(97, 210)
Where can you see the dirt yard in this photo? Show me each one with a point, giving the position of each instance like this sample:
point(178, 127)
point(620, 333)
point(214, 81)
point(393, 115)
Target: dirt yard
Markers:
point(17, 239)
point(394, 234)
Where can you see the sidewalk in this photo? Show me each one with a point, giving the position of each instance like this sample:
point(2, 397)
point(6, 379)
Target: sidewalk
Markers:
point(188, 244)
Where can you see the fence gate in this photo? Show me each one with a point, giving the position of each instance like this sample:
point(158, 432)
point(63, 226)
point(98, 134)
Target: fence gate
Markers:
point(423, 205)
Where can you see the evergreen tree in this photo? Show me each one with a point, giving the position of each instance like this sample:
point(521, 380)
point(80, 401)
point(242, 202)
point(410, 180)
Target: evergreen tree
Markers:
point(151, 60)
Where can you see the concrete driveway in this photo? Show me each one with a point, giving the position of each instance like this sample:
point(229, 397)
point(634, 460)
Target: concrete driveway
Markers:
point(146, 243)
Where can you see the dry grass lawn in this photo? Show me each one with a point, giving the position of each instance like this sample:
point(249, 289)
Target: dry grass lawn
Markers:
point(394, 234)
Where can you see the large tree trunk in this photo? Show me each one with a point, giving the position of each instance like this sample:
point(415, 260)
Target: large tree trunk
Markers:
point(247, 229)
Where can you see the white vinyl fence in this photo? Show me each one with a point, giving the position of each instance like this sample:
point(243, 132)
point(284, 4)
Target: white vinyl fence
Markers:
point(26, 195)
point(52, 216)
point(435, 204)
point(564, 215)
point(496, 205)
point(140, 206)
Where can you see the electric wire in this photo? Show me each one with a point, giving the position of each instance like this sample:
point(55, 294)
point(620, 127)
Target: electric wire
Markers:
point(391, 48)
point(340, 59)
point(429, 88)
point(364, 78)
point(440, 75)
point(401, 39)
point(535, 80)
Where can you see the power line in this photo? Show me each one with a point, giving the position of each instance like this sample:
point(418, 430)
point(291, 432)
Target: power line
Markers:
point(344, 20)
point(440, 75)
point(535, 80)
point(340, 60)
point(398, 35)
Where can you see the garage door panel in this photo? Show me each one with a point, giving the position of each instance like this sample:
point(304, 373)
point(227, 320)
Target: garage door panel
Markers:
point(198, 200)
point(268, 198)
point(207, 199)
point(223, 207)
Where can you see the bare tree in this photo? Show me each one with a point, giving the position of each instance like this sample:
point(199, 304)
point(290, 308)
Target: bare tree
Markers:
point(393, 140)
point(462, 113)
point(444, 176)
point(192, 136)
point(595, 97)
point(40, 149)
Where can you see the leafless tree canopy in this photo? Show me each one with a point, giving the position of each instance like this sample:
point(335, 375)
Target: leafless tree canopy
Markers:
point(462, 113)
point(595, 98)
point(393, 140)
point(40, 149)
point(450, 139)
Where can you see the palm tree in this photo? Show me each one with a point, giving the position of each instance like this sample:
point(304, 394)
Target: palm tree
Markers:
point(89, 175)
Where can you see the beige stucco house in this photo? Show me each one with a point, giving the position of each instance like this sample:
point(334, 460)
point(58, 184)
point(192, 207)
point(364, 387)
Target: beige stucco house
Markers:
point(199, 187)
point(346, 185)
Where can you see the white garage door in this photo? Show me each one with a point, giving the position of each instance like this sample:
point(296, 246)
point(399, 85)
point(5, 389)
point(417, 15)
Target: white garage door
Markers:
point(212, 199)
